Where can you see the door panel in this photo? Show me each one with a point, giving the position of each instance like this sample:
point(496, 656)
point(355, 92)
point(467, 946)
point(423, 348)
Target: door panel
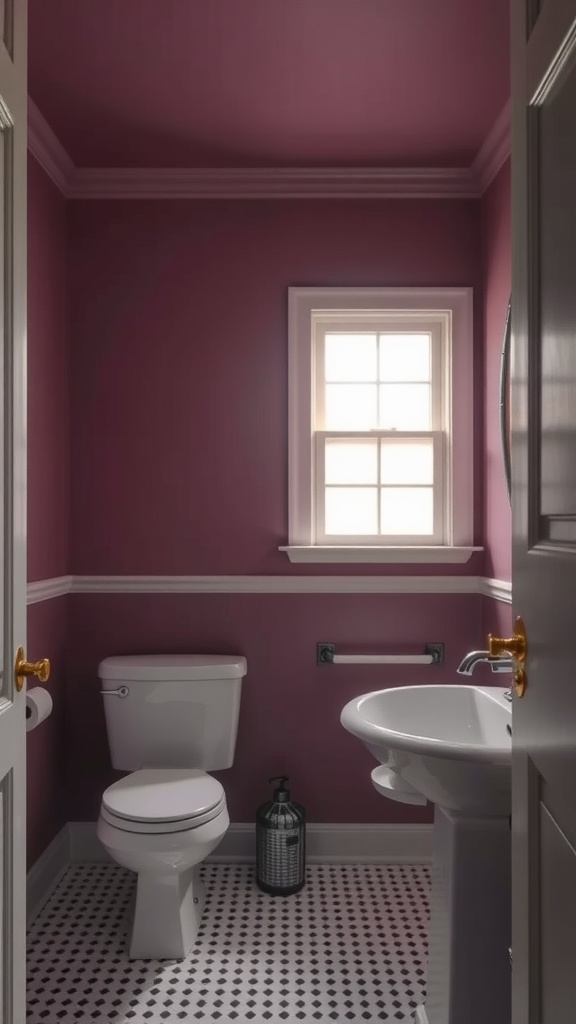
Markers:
point(7, 24)
point(557, 918)
point(12, 505)
point(557, 258)
point(544, 508)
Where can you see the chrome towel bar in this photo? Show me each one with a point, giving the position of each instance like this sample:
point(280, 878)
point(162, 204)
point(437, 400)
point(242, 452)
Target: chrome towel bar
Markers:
point(326, 655)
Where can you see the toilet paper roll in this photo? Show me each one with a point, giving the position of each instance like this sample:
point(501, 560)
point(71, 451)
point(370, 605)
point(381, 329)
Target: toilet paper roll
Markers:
point(38, 707)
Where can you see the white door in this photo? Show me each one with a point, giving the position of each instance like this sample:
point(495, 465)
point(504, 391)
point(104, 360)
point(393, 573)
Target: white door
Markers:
point(544, 509)
point(12, 507)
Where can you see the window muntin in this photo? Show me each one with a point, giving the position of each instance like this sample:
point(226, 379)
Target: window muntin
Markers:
point(379, 425)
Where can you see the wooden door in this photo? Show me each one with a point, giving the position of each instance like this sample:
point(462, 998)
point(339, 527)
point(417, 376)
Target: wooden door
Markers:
point(12, 505)
point(544, 508)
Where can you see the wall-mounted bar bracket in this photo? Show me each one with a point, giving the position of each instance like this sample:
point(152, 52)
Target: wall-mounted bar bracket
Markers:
point(325, 653)
point(437, 652)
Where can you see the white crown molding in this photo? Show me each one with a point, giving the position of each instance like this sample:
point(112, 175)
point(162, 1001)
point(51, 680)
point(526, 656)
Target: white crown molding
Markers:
point(47, 149)
point(266, 183)
point(270, 183)
point(44, 590)
point(494, 151)
point(500, 590)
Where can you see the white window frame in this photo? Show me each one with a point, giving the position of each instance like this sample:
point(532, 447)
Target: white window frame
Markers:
point(452, 309)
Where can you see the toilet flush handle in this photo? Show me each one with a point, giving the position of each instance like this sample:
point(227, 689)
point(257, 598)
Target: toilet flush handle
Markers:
point(122, 691)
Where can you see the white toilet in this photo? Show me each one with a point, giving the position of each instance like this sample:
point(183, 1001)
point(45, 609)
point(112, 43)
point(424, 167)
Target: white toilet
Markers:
point(169, 718)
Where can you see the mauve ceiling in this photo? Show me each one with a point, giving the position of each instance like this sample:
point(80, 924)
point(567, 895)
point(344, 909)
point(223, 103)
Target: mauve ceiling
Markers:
point(257, 83)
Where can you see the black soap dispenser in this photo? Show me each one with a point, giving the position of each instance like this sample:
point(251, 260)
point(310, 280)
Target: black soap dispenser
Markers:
point(280, 843)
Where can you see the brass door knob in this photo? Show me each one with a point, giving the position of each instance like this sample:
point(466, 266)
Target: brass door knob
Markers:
point(23, 668)
point(517, 647)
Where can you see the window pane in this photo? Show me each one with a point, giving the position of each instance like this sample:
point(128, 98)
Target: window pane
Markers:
point(405, 406)
point(407, 462)
point(351, 510)
point(350, 357)
point(350, 407)
point(407, 510)
point(351, 462)
point(405, 357)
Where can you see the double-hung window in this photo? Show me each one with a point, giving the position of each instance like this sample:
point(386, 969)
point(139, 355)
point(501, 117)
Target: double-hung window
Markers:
point(380, 462)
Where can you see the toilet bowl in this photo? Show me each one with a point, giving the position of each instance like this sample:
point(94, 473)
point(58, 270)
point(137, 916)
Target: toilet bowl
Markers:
point(161, 823)
point(180, 713)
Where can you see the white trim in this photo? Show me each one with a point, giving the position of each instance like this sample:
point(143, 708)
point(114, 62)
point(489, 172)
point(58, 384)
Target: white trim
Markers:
point(45, 874)
point(325, 844)
point(271, 183)
point(44, 590)
point(437, 325)
point(416, 555)
point(47, 149)
point(85, 847)
point(494, 151)
point(266, 183)
point(368, 844)
point(500, 590)
point(306, 307)
point(276, 584)
point(77, 843)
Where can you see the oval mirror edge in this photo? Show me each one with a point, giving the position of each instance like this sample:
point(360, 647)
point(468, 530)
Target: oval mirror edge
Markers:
point(505, 401)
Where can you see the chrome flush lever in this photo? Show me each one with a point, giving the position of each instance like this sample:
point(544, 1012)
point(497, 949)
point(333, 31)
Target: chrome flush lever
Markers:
point(122, 691)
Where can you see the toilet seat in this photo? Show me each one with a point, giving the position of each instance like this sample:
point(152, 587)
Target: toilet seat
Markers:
point(162, 800)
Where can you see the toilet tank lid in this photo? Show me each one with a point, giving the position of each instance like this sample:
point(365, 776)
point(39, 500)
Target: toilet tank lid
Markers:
point(148, 667)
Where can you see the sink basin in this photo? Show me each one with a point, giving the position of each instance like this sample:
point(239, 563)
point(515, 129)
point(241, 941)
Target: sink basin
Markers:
point(448, 744)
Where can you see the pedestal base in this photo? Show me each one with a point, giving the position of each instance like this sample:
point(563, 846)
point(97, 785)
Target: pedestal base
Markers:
point(469, 978)
point(167, 915)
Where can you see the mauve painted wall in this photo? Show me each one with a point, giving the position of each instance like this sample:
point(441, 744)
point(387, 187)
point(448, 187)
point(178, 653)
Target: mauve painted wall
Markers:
point(495, 215)
point(496, 619)
point(179, 381)
point(289, 717)
point(48, 379)
point(179, 360)
point(48, 492)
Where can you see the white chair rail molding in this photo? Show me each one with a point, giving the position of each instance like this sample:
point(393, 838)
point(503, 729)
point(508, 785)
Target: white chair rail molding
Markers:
point(50, 589)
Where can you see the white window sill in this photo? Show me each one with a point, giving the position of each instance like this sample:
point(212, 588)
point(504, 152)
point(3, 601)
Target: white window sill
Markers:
point(415, 555)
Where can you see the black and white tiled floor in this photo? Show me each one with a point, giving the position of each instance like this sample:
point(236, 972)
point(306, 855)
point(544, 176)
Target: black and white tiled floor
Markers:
point(350, 947)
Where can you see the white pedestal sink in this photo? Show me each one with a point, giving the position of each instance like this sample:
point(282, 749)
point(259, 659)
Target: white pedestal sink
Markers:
point(451, 745)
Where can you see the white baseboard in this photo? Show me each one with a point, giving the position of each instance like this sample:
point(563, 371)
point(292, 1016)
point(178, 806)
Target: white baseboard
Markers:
point(44, 876)
point(340, 844)
point(325, 844)
point(77, 843)
point(369, 844)
point(85, 847)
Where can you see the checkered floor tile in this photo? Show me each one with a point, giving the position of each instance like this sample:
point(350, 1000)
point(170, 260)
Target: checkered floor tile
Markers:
point(350, 947)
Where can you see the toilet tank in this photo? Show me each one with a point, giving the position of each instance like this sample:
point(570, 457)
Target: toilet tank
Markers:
point(173, 711)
